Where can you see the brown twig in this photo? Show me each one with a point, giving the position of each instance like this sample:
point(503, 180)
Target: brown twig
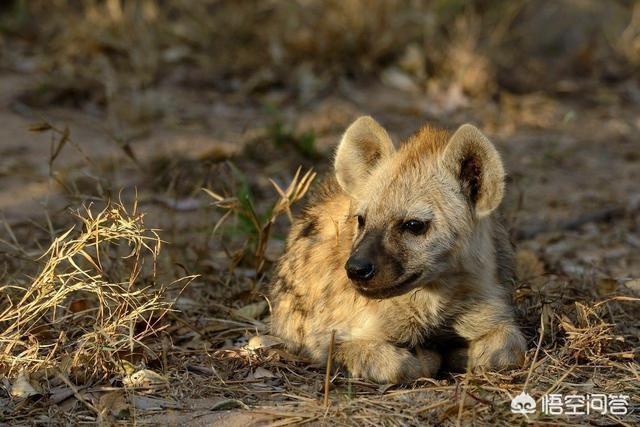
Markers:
point(535, 355)
point(327, 377)
point(76, 393)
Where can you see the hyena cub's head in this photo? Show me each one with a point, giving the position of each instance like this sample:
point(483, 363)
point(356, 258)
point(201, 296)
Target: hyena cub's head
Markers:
point(415, 209)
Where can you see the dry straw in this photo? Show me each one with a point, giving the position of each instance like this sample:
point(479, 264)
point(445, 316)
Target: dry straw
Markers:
point(94, 300)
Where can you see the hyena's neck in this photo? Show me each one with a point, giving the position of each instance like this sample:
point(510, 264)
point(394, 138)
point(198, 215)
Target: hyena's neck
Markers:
point(478, 258)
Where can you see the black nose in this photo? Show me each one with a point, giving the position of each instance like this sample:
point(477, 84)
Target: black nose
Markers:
point(359, 269)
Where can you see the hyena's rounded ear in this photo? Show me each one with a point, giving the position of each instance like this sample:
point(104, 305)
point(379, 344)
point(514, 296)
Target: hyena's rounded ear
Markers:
point(362, 147)
point(476, 163)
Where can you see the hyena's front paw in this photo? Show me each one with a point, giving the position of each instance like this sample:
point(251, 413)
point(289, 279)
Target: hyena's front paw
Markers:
point(385, 363)
point(501, 348)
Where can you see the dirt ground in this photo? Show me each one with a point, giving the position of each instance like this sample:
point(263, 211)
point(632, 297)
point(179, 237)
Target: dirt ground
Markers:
point(570, 156)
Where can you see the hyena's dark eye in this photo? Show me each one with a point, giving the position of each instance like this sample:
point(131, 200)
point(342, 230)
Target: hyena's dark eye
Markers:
point(360, 220)
point(415, 226)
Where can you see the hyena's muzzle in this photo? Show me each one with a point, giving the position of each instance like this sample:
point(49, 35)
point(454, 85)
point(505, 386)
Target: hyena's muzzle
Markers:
point(376, 271)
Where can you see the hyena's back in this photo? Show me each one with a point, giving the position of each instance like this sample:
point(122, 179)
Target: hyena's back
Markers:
point(310, 285)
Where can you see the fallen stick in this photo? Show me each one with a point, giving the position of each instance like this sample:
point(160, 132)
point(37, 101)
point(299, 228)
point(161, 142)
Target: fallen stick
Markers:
point(327, 376)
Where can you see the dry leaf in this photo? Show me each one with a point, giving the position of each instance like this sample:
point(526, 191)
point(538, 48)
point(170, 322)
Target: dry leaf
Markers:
point(263, 341)
point(22, 386)
point(251, 311)
point(145, 378)
point(634, 285)
point(261, 372)
point(227, 404)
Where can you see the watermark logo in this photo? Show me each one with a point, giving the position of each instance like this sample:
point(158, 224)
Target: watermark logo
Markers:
point(572, 404)
point(523, 404)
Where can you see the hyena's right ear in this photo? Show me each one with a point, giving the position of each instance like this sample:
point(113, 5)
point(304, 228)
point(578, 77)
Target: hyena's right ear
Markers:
point(362, 147)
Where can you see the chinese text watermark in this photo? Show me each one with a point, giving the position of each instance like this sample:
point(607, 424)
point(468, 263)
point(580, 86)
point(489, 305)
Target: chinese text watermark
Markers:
point(572, 404)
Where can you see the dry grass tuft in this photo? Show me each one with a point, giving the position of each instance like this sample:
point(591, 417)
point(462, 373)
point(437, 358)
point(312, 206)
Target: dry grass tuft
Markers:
point(95, 301)
point(260, 226)
point(119, 56)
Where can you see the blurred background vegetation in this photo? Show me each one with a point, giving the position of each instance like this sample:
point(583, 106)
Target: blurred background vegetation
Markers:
point(115, 55)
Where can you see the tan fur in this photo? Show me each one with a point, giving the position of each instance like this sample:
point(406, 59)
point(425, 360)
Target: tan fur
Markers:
point(368, 144)
point(452, 280)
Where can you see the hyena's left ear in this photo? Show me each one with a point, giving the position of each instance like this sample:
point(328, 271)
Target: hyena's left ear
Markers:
point(362, 147)
point(475, 162)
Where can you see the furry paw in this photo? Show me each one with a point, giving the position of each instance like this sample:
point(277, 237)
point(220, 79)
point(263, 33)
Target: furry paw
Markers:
point(503, 348)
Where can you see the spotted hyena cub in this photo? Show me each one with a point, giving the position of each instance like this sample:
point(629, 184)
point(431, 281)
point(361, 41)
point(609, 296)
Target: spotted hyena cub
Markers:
point(402, 256)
